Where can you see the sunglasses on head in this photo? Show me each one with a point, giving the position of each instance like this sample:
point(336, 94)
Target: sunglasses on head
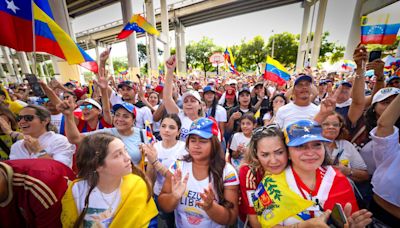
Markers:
point(27, 118)
point(88, 106)
point(265, 129)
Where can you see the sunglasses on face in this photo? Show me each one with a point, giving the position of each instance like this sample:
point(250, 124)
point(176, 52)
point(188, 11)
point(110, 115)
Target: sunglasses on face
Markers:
point(88, 106)
point(66, 97)
point(27, 118)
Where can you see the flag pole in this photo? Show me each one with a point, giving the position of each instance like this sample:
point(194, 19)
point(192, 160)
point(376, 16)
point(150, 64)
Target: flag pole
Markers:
point(33, 39)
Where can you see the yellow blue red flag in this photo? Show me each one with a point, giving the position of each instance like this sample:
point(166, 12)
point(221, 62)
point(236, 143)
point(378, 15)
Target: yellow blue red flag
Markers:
point(274, 201)
point(137, 24)
point(17, 18)
point(379, 29)
point(230, 61)
point(274, 71)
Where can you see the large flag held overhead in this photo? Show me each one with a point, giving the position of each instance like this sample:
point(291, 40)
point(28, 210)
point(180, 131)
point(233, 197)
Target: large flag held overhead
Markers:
point(274, 71)
point(16, 32)
point(378, 29)
point(137, 24)
point(230, 61)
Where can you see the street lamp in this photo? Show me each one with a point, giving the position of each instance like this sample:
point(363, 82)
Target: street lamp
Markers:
point(273, 44)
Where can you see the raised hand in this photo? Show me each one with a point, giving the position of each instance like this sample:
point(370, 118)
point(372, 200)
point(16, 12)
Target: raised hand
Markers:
point(104, 56)
point(171, 63)
point(179, 184)
point(358, 219)
point(377, 66)
point(66, 107)
point(236, 115)
point(207, 198)
point(5, 126)
point(360, 55)
point(150, 152)
point(102, 81)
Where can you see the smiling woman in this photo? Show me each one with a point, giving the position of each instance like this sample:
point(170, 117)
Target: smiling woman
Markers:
point(39, 141)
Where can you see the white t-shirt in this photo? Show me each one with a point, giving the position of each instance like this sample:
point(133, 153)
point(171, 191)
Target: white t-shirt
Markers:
point(267, 116)
point(366, 154)
point(56, 121)
point(142, 115)
point(187, 213)
point(167, 157)
point(290, 113)
point(115, 98)
point(237, 139)
point(220, 114)
point(55, 145)
point(348, 152)
point(97, 214)
point(186, 122)
point(156, 125)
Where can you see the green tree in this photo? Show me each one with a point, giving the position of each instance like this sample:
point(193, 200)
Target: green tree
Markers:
point(200, 52)
point(330, 51)
point(120, 64)
point(285, 47)
point(253, 53)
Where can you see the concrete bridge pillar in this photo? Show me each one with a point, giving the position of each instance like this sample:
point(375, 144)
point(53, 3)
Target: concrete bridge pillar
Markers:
point(180, 47)
point(131, 44)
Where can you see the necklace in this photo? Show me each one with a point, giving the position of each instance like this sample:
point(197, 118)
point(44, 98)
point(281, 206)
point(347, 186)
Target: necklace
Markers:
point(109, 209)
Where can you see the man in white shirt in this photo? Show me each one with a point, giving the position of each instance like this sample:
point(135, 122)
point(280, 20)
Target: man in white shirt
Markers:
point(301, 108)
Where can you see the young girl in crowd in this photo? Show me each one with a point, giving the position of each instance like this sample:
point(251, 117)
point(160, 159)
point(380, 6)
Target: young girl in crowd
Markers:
point(213, 109)
point(203, 189)
point(240, 140)
point(192, 108)
point(110, 191)
point(277, 101)
point(162, 155)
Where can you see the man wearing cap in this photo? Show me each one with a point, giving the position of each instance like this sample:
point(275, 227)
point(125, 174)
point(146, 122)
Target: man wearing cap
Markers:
point(343, 100)
point(260, 100)
point(393, 81)
point(301, 108)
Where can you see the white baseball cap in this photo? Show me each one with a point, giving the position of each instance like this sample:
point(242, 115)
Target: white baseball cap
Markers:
point(90, 101)
point(384, 93)
point(192, 93)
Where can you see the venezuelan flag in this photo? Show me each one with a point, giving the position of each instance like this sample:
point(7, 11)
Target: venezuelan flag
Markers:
point(377, 31)
point(16, 32)
point(149, 133)
point(274, 71)
point(230, 61)
point(138, 24)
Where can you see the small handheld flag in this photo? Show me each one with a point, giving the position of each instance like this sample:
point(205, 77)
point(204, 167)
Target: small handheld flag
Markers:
point(274, 71)
point(230, 61)
point(138, 24)
point(149, 133)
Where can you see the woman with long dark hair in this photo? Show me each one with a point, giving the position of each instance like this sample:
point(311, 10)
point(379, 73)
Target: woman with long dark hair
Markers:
point(213, 109)
point(110, 191)
point(203, 189)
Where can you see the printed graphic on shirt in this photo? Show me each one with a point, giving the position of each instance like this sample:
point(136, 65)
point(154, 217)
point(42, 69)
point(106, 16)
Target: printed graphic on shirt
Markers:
point(96, 217)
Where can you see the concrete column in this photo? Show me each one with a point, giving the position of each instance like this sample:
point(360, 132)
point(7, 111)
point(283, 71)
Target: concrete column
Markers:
point(23, 62)
point(165, 28)
point(355, 30)
point(152, 39)
point(56, 69)
point(178, 45)
point(318, 32)
point(303, 37)
point(110, 63)
point(6, 56)
point(60, 14)
point(131, 45)
point(15, 64)
point(183, 49)
point(2, 73)
point(96, 49)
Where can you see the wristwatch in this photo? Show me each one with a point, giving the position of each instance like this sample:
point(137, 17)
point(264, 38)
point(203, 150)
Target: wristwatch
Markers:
point(41, 153)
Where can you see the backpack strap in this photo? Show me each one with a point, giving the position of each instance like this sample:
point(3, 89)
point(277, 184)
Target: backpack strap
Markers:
point(4, 147)
point(359, 132)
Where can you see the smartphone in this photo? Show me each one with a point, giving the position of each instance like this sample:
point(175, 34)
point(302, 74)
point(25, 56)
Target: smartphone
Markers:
point(373, 55)
point(35, 86)
point(337, 218)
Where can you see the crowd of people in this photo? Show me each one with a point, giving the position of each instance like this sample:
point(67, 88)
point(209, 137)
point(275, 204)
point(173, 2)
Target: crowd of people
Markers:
point(240, 151)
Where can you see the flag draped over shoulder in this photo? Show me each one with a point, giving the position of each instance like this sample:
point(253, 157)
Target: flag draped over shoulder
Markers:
point(378, 30)
point(274, 201)
point(16, 32)
point(138, 24)
point(230, 61)
point(274, 71)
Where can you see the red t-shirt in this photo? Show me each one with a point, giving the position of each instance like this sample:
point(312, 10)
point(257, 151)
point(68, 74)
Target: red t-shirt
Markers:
point(38, 186)
point(249, 181)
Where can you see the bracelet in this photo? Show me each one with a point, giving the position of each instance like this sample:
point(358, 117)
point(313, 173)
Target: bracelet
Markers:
point(154, 162)
point(41, 153)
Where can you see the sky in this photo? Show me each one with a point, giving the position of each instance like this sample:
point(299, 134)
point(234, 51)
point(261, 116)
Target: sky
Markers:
point(232, 30)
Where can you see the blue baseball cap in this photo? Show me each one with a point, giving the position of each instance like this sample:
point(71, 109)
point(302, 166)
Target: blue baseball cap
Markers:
point(390, 79)
point(127, 106)
point(346, 83)
point(204, 127)
point(303, 77)
point(303, 131)
point(208, 89)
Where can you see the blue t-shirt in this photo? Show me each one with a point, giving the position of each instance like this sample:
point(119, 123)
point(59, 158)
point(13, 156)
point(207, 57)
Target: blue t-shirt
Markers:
point(131, 142)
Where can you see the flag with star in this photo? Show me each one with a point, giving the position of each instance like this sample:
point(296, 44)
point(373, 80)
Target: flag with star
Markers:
point(379, 29)
point(19, 17)
point(137, 24)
